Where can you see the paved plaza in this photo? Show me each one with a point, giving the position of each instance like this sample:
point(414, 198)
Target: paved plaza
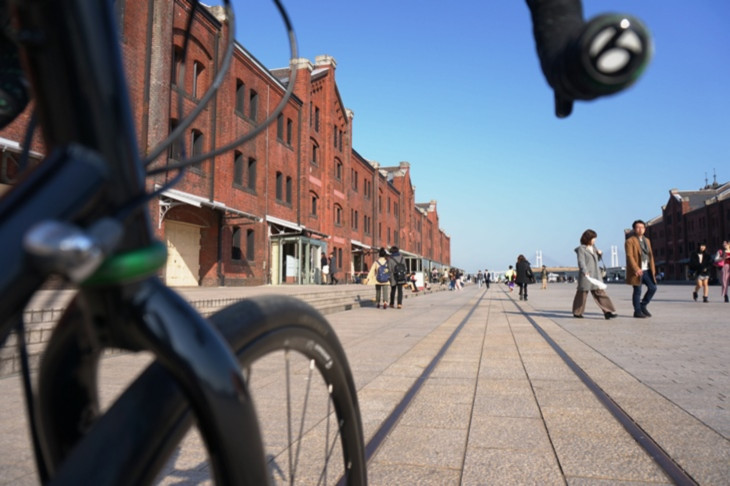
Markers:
point(472, 387)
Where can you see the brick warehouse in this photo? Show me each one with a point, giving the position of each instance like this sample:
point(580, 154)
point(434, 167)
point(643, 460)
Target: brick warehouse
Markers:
point(688, 219)
point(266, 211)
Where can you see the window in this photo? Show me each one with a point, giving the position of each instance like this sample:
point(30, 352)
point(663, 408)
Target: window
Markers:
point(236, 253)
point(280, 127)
point(316, 119)
point(355, 180)
point(240, 96)
point(334, 135)
point(196, 143)
point(176, 146)
point(238, 168)
point(313, 211)
point(250, 245)
point(315, 153)
point(279, 186)
point(288, 189)
point(338, 170)
point(289, 131)
point(253, 105)
point(251, 174)
point(198, 69)
point(338, 215)
point(177, 66)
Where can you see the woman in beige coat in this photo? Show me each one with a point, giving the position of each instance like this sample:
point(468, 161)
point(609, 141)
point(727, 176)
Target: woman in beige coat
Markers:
point(380, 267)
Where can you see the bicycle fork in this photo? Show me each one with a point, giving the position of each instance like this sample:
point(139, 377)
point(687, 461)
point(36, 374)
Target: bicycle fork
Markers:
point(153, 318)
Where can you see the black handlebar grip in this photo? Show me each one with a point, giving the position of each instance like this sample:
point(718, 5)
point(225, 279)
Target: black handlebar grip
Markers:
point(584, 61)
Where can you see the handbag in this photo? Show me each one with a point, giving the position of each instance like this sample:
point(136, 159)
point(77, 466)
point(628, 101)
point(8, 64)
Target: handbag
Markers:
point(719, 259)
point(326, 269)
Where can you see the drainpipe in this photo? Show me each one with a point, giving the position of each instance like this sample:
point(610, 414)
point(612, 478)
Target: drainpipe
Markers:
point(219, 258)
point(221, 214)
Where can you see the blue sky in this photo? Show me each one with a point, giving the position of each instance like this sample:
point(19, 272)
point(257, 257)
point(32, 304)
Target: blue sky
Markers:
point(455, 89)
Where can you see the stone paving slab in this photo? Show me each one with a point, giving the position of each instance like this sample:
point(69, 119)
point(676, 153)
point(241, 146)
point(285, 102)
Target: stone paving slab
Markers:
point(500, 407)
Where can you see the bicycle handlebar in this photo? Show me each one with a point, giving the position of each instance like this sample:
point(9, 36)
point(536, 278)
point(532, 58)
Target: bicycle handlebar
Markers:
point(582, 61)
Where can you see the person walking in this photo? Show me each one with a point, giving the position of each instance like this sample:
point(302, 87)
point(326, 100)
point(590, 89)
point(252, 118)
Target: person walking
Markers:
point(379, 276)
point(722, 260)
point(544, 277)
point(487, 278)
point(324, 265)
point(510, 277)
point(590, 278)
point(333, 268)
point(700, 262)
point(640, 269)
point(397, 266)
point(524, 275)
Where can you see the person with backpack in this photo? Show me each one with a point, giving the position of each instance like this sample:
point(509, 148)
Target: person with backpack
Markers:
point(379, 275)
point(398, 272)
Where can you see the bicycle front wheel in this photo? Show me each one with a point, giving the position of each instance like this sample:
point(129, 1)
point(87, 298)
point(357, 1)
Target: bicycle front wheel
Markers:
point(302, 388)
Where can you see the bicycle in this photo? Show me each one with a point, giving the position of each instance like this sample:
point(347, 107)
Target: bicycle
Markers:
point(81, 214)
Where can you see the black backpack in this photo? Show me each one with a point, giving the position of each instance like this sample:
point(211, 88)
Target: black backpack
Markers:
point(399, 272)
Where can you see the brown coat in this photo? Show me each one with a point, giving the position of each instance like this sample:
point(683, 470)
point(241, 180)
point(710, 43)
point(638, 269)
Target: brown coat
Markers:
point(633, 260)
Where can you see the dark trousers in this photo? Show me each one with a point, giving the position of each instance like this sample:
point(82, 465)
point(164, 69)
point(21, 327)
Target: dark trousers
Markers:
point(399, 288)
point(378, 290)
point(523, 289)
point(639, 302)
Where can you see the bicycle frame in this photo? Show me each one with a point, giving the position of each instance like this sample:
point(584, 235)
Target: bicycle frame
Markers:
point(71, 51)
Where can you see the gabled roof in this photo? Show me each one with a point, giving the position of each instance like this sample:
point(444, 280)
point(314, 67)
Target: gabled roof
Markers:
point(701, 197)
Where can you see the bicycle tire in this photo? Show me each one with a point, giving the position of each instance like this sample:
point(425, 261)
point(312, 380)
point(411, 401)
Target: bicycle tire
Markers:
point(154, 412)
point(293, 327)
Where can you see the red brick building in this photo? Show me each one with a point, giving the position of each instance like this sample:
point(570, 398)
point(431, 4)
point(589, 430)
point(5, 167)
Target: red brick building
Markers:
point(265, 211)
point(689, 218)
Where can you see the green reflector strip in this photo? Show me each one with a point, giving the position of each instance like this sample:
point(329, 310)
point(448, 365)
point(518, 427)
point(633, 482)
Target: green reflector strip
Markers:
point(131, 265)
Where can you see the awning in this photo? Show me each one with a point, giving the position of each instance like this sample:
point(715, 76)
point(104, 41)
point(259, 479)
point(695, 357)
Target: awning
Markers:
point(316, 233)
point(283, 222)
point(358, 244)
point(198, 202)
point(13, 146)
